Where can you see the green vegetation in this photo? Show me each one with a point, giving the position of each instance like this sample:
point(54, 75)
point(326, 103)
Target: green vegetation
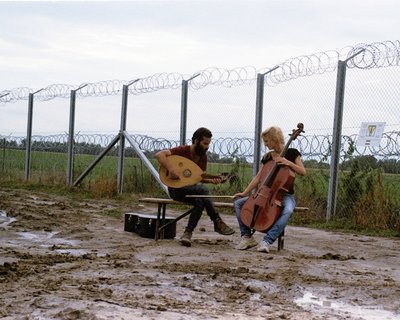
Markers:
point(368, 198)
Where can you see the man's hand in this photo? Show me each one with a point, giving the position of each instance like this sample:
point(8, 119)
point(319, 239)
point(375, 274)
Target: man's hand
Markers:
point(216, 180)
point(213, 180)
point(173, 175)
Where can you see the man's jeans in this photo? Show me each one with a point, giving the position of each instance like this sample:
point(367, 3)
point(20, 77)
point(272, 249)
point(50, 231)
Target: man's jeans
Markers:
point(288, 205)
point(199, 204)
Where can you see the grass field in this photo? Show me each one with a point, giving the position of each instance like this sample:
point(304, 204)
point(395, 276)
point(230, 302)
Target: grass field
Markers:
point(365, 198)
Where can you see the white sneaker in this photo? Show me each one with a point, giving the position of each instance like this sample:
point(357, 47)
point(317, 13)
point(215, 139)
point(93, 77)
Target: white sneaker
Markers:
point(246, 243)
point(263, 246)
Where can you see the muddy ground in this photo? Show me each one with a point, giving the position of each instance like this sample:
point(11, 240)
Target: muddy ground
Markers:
point(62, 258)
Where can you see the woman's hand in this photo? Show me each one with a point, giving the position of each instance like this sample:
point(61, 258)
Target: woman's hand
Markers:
point(283, 161)
point(239, 195)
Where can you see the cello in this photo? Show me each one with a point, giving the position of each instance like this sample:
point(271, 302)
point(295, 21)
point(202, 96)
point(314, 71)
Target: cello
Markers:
point(264, 206)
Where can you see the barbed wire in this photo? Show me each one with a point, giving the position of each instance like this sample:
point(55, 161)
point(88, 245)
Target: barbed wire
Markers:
point(317, 147)
point(374, 55)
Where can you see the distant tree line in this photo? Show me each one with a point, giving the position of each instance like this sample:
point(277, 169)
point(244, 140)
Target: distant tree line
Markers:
point(363, 161)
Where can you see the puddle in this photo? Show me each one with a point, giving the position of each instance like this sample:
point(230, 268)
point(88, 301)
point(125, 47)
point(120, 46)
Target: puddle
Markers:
point(4, 260)
point(324, 305)
point(4, 220)
point(72, 252)
point(44, 202)
point(146, 258)
point(46, 238)
point(41, 239)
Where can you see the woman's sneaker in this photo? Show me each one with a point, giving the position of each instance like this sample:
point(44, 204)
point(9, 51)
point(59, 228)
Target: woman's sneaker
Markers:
point(263, 247)
point(246, 243)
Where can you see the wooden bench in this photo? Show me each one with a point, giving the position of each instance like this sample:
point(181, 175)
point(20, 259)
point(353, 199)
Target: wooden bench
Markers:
point(162, 208)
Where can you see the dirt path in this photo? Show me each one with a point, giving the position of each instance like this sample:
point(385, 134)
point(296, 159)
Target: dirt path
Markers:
point(66, 259)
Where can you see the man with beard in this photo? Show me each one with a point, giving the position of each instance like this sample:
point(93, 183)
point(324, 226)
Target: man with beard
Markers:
point(197, 152)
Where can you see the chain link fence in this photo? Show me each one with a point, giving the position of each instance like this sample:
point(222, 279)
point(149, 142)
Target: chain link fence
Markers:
point(300, 89)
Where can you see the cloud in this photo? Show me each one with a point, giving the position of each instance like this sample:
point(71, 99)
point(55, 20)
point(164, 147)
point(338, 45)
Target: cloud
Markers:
point(44, 43)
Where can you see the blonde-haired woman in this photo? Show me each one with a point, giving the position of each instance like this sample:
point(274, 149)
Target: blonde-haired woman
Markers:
point(274, 140)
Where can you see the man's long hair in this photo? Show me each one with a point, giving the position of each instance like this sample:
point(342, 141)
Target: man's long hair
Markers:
point(200, 133)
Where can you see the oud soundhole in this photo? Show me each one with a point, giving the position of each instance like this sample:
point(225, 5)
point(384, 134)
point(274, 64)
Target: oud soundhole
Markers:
point(187, 173)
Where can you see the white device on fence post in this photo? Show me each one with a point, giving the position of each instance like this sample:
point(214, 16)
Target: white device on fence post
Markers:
point(370, 134)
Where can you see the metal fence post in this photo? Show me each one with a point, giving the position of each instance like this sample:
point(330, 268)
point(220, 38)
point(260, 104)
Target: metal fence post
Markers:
point(121, 149)
point(259, 119)
point(71, 133)
point(336, 136)
point(70, 154)
point(28, 149)
point(184, 102)
point(4, 140)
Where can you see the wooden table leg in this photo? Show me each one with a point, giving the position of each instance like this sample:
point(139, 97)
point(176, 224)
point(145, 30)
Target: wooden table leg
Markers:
point(281, 240)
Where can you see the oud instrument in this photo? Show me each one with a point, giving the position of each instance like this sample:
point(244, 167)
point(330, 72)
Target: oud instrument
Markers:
point(189, 173)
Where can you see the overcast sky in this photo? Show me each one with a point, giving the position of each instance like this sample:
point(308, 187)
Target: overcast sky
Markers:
point(72, 42)
point(67, 42)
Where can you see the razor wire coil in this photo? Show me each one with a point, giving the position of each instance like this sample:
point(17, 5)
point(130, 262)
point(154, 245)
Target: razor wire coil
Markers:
point(374, 55)
point(317, 147)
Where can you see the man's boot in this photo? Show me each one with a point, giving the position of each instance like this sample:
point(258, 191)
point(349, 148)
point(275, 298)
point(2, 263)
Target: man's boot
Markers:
point(222, 228)
point(186, 238)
